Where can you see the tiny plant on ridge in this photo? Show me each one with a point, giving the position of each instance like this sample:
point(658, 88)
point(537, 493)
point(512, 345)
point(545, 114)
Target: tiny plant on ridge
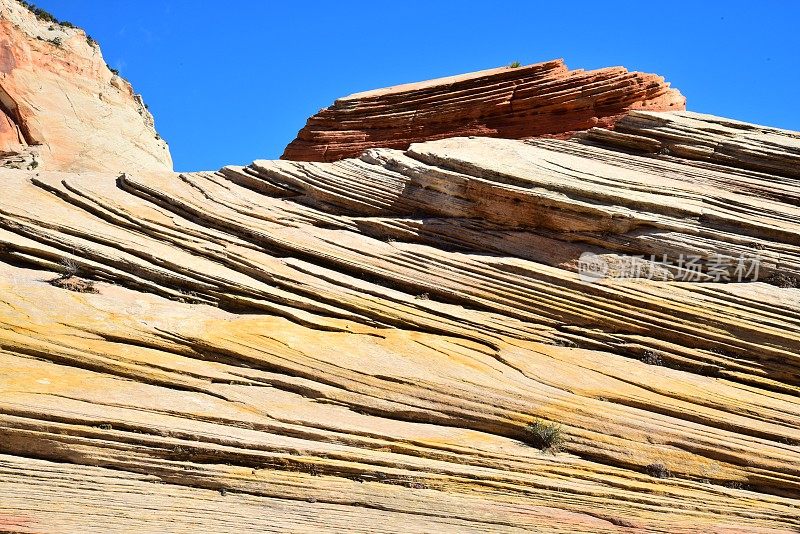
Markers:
point(68, 268)
point(544, 435)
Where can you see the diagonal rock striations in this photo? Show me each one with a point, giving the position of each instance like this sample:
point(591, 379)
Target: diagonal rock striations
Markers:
point(534, 100)
point(375, 344)
point(327, 339)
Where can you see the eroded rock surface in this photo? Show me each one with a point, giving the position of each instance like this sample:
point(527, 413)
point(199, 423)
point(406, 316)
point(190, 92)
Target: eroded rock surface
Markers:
point(515, 103)
point(362, 345)
point(62, 108)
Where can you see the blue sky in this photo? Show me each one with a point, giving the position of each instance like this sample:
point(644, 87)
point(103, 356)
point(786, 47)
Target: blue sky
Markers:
point(229, 82)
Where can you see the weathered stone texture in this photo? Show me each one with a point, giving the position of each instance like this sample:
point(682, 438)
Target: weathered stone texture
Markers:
point(61, 108)
point(297, 345)
point(544, 99)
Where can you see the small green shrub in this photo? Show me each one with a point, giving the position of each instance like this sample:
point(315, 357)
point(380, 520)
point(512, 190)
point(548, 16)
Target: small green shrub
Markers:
point(46, 16)
point(544, 435)
point(40, 13)
point(515, 65)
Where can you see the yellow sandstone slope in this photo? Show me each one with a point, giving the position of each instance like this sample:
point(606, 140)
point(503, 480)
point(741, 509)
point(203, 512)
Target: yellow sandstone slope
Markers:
point(380, 344)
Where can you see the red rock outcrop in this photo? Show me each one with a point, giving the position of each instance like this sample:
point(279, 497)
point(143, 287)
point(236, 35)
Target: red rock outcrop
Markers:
point(62, 108)
point(534, 100)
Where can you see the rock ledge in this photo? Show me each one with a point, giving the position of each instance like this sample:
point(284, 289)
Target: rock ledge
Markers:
point(543, 99)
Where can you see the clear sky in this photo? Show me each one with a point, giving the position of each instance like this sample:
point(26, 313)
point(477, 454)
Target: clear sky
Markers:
point(230, 82)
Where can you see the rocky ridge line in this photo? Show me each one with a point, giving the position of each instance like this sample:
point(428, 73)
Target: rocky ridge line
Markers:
point(512, 102)
point(380, 333)
point(62, 108)
point(369, 345)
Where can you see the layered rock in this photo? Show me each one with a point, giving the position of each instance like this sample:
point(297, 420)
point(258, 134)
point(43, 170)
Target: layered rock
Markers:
point(365, 344)
point(62, 108)
point(527, 101)
point(385, 342)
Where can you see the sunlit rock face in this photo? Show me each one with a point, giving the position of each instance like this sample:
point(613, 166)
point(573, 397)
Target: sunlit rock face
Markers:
point(410, 340)
point(61, 108)
point(326, 339)
point(544, 99)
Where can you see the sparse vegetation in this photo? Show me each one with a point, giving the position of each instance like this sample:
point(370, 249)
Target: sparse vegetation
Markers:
point(657, 470)
point(562, 342)
point(73, 283)
point(423, 296)
point(40, 13)
point(735, 484)
point(515, 65)
point(651, 358)
point(114, 71)
point(782, 280)
point(544, 435)
point(68, 268)
point(57, 41)
point(69, 279)
point(46, 16)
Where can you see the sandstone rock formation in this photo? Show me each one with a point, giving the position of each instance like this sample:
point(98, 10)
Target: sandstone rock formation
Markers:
point(515, 103)
point(409, 340)
point(61, 108)
point(364, 345)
